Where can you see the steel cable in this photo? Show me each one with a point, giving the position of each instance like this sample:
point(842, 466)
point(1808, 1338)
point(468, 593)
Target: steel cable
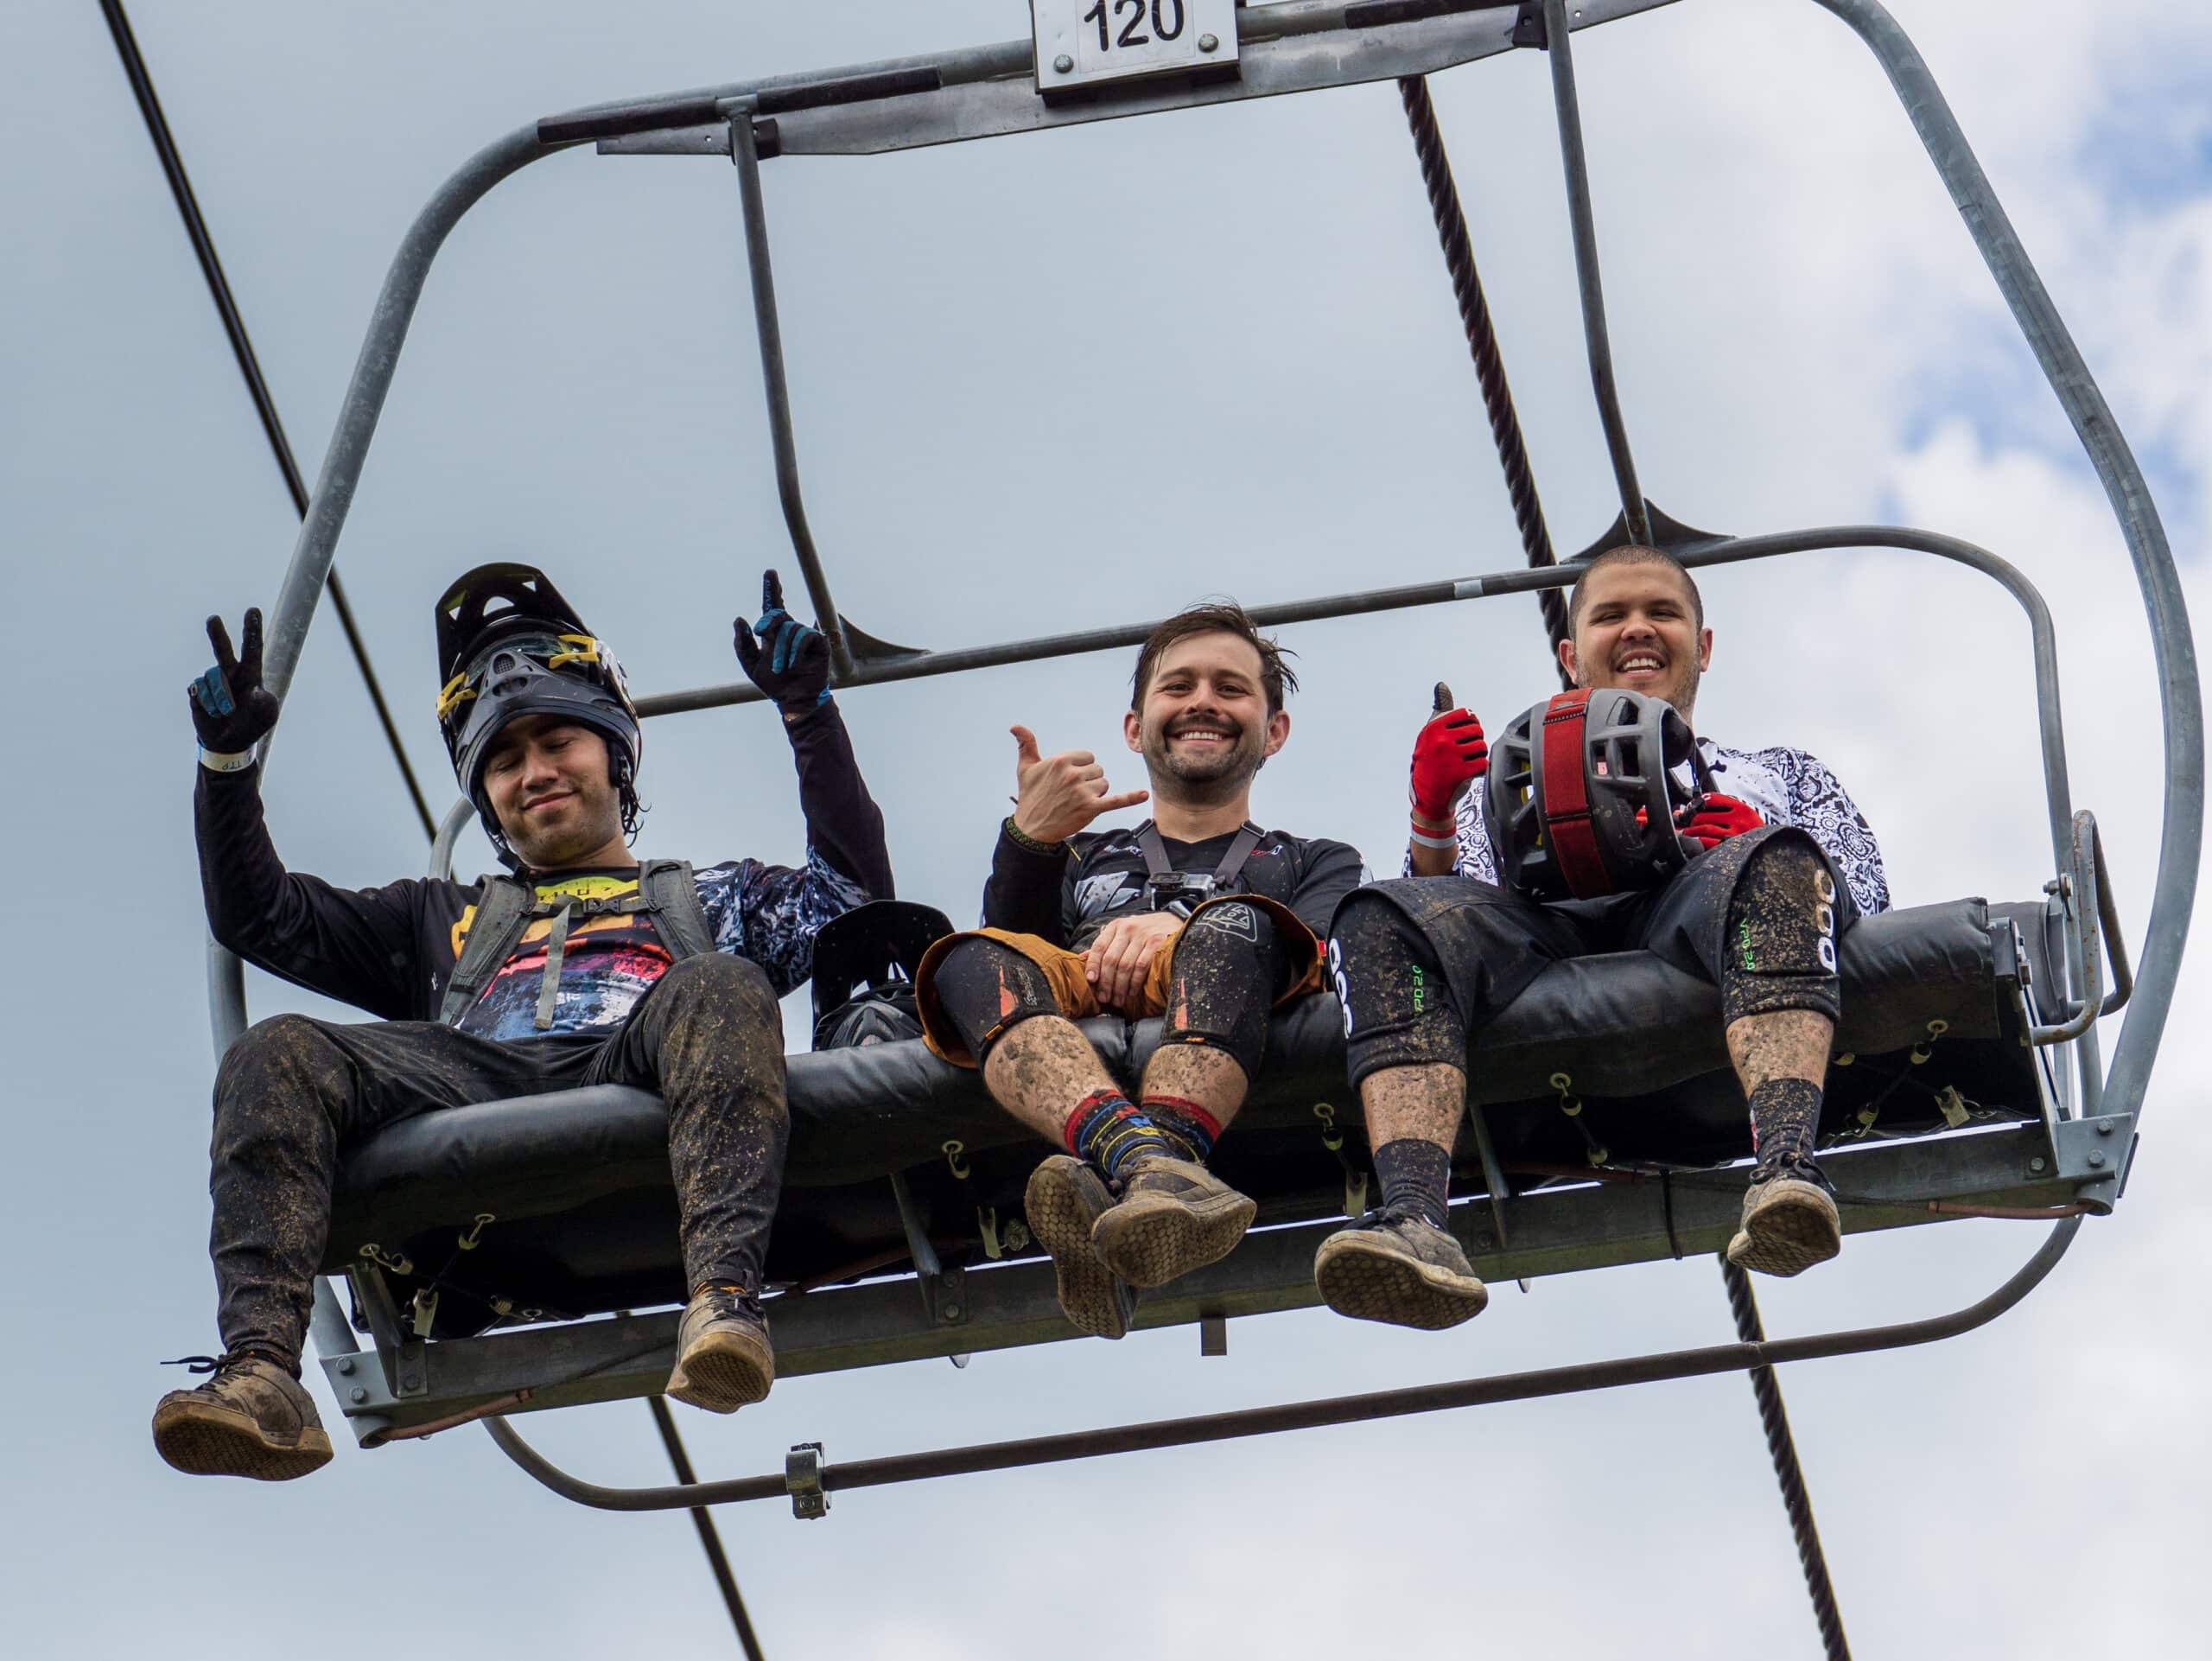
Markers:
point(1782, 1449)
point(1482, 344)
point(219, 288)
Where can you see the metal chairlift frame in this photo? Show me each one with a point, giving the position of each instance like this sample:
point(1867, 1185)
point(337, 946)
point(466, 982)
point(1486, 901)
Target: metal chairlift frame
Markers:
point(2072, 1163)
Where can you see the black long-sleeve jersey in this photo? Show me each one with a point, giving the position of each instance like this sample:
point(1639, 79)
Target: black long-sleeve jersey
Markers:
point(391, 950)
point(1067, 897)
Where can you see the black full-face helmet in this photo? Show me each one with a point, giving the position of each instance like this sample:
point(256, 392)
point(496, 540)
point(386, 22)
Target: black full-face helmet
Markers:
point(1581, 795)
point(509, 646)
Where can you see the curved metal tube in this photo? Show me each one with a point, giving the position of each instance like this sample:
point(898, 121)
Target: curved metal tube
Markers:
point(2181, 832)
point(316, 545)
point(457, 819)
point(1306, 1416)
point(1582, 219)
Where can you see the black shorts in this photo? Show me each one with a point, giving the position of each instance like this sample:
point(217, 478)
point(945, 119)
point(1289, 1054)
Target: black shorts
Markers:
point(1490, 942)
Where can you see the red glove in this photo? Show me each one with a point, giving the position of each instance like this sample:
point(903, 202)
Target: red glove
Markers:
point(1712, 818)
point(1450, 754)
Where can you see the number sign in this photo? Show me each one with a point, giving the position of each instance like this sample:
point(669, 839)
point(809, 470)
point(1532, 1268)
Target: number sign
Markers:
point(1083, 42)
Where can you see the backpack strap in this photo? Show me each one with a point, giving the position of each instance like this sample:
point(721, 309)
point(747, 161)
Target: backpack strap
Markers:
point(503, 908)
point(672, 895)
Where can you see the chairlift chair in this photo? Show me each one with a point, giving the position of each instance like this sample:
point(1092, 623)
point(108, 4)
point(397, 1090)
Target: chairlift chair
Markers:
point(493, 1254)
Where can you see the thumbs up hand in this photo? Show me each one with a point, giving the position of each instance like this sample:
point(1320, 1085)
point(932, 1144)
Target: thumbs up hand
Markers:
point(1449, 756)
point(1055, 796)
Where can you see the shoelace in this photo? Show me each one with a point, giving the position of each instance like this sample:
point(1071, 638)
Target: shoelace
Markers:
point(221, 1364)
point(1384, 1216)
point(1798, 1166)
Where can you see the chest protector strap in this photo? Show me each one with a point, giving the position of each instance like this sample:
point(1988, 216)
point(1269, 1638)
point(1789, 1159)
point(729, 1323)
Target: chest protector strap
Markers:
point(508, 905)
point(1567, 826)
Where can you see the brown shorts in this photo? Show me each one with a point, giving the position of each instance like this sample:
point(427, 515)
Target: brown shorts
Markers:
point(1078, 1000)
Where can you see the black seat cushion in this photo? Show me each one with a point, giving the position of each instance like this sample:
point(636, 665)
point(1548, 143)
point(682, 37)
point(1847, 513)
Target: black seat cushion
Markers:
point(577, 1181)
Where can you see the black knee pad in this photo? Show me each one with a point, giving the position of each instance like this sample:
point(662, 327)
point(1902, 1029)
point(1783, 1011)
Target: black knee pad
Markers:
point(1390, 982)
point(985, 988)
point(1228, 966)
point(1780, 950)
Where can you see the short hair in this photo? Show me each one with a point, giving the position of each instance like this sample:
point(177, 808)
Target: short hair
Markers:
point(1222, 616)
point(1632, 553)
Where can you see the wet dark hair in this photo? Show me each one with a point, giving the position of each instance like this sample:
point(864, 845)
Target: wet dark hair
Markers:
point(1222, 616)
point(1633, 553)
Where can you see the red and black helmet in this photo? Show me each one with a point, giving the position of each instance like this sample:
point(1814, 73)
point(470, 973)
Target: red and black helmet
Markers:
point(1582, 794)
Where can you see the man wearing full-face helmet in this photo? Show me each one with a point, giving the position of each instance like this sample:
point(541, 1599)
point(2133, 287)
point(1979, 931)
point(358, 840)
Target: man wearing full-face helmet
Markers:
point(1745, 886)
point(583, 966)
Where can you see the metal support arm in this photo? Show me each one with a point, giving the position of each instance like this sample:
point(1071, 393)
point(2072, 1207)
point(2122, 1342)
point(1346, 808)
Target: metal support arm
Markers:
point(1306, 1415)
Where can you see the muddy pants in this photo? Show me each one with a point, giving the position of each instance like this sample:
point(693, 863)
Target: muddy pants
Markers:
point(1422, 965)
point(294, 1095)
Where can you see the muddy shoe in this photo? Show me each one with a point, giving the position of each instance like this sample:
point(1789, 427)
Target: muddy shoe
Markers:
point(723, 1359)
point(251, 1418)
point(1065, 1198)
point(1393, 1266)
point(1789, 1220)
point(1175, 1216)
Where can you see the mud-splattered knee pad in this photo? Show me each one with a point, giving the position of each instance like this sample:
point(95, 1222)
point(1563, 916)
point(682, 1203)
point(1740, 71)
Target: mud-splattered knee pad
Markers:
point(985, 988)
point(1398, 1010)
point(1228, 966)
point(1780, 950)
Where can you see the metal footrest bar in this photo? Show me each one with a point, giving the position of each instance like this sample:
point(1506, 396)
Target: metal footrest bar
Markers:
point(1305, 1416)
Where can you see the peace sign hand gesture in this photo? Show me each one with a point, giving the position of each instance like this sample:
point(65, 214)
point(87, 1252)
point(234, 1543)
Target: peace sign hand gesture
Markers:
point(1055, 796)
point(232, 710)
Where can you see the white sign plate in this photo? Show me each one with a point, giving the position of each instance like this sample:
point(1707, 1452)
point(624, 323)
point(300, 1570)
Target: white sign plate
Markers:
point(1084, 42)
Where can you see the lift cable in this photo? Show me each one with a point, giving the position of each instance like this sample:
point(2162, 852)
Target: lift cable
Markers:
point(1535, 542)
point(219, 287)
point(1482, 342)
point(1782, 1448)
point(710, 1540)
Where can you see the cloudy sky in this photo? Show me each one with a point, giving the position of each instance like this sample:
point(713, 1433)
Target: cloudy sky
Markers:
point(1045, 383)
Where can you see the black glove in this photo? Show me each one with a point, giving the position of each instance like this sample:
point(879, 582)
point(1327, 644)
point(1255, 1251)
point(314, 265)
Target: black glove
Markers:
point(232, 710)
point(782, 656)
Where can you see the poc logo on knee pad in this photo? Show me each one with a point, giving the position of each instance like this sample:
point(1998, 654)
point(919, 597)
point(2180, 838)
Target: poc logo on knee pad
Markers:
point(1337, 980)
point(1824, 917)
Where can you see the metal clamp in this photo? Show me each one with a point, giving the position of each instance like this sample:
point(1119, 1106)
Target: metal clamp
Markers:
point(803, 1472)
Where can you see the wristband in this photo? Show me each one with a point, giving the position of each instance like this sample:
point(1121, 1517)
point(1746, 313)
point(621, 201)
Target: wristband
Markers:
point(1022, 839)
point(226, 761)
point(1426, 841)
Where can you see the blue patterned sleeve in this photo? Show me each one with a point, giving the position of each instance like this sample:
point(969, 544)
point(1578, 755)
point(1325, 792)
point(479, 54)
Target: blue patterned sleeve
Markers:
point(770, 913)
point(1820, 805)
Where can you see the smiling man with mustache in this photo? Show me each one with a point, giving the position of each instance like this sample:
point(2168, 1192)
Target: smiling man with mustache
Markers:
point(1197, 914)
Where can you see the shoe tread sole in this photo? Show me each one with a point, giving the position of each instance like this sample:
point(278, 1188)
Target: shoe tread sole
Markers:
point(1151, 1239)
point(1060, 1217)
point(1364, 1278)
point(207, 1439)
point(722, 1373)
point(1788, 1225)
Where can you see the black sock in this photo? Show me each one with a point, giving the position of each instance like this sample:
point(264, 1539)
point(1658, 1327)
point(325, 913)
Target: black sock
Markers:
point(1785, 1121)
point(1416, 1178)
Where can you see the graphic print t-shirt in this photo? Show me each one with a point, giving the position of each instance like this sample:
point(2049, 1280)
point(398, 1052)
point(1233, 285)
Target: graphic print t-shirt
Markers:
point(609, 962)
